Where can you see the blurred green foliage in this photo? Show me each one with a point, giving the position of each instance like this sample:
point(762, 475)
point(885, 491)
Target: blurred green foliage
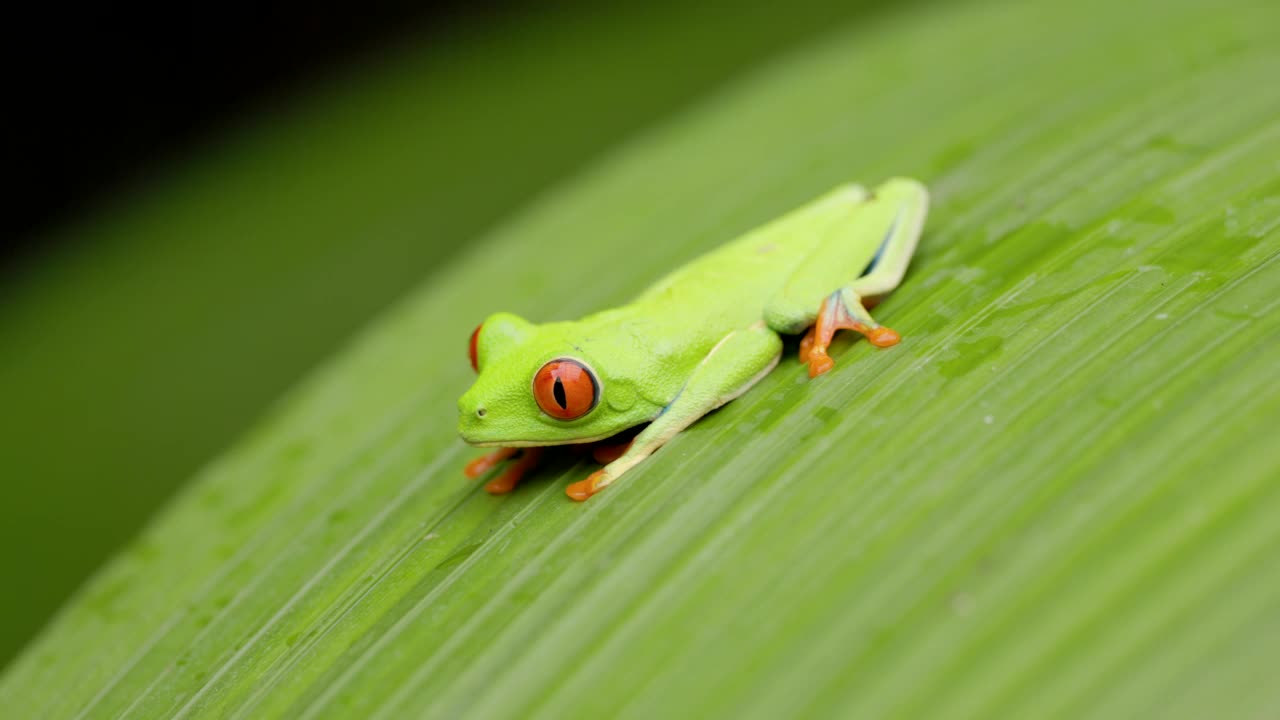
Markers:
point(163, 323)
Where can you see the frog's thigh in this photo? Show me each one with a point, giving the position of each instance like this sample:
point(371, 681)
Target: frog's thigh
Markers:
point(866, 255)
point(904, 204)
point(736, 363)
point(832, 205)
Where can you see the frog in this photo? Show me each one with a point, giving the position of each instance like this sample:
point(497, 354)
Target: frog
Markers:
point(694, 340)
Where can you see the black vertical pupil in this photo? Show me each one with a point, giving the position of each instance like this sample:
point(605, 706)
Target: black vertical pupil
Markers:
point(558, 392)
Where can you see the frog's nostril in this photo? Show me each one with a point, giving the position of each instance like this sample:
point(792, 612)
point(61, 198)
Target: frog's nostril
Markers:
point(481, 412)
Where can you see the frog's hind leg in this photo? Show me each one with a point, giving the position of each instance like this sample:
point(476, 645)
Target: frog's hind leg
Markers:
point(842, 310)
point(874, 245)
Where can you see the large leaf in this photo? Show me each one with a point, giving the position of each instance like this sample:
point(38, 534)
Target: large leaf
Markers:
point(199, 301)
point(1056, 497)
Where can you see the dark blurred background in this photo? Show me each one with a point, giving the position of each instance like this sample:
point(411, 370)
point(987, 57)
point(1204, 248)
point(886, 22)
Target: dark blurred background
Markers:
point(206, 201)
point(102, 92)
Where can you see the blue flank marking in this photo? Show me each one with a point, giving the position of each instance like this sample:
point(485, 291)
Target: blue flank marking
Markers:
point(883, 244)
point(667, 407)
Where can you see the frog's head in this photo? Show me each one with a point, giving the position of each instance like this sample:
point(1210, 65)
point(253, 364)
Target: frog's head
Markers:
point(537, 387)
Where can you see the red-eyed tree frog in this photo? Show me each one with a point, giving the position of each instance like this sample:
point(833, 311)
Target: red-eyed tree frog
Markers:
point(696, 339)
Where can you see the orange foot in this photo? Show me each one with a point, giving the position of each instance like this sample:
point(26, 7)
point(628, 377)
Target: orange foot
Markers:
point(584, 489)
point(833, 316)
point(817, 358)
point(485, 463)
point(806, 345)
point(507, 481)
point(883, 336)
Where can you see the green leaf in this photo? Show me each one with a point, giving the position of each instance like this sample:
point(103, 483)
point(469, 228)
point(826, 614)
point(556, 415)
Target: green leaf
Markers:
point(201, 298)
point(1056, 498)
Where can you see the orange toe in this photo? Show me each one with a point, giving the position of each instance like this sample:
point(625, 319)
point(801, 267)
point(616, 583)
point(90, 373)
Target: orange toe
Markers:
point(883, 337)
point(584, 489)
point(806, 346)
point(485, 463)
point(502, 484)
point(819, 364)
point(507, 481)
point(477, 467)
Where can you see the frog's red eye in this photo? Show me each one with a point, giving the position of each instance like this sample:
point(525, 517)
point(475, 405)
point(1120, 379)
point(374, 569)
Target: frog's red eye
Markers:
point(471, 350)
point(565, 389)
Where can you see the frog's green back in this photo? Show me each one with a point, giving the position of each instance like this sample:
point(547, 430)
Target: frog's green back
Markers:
point(664, 333)
point(729, 287)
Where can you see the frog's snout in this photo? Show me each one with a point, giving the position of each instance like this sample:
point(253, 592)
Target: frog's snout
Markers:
point(471, 415)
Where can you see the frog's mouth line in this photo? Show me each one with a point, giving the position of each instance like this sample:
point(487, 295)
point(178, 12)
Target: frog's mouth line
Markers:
point(537, 443)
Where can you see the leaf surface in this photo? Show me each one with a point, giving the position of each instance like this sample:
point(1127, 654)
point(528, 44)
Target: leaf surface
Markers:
point(1056, 498)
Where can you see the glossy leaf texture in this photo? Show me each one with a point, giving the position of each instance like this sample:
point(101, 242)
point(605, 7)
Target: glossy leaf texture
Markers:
point(1057, 497)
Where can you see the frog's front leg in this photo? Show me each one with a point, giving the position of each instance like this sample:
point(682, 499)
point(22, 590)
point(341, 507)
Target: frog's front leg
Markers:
point(488, 461)
point(875, 245)
point(736, 363)
point(506, 482)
